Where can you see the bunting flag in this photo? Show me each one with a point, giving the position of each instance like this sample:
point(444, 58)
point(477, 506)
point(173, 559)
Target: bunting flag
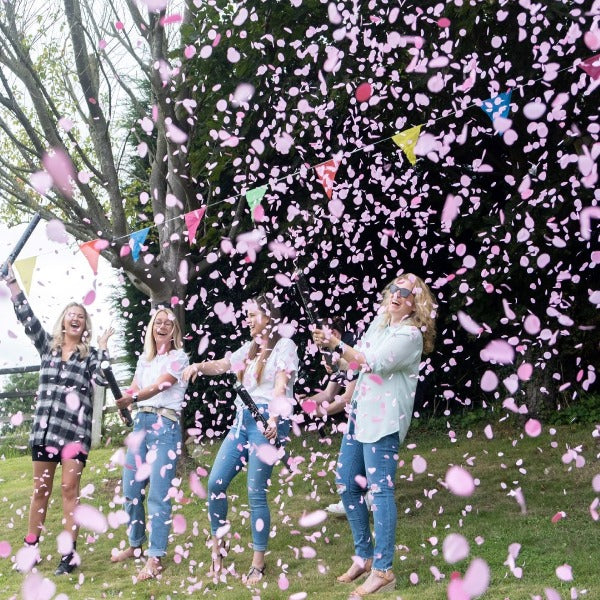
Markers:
point(326, 172)
point(25, 268)
point(192, 220)
point(591, 66)
point(497, 107)
point(91, 250)
point(254, 197)
point(407, 140)
point(136, 241)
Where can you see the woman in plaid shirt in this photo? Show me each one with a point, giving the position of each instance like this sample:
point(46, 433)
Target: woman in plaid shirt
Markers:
point(62, 424)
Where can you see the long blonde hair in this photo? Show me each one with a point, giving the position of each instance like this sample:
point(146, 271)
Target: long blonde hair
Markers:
point(150, 349)
point(58, 332)
point(424, 313)
point(266, 306)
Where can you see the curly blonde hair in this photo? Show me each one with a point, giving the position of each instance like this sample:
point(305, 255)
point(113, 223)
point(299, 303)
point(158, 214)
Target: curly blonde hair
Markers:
point(423, 316)
point(150, 349)
point(58, 332)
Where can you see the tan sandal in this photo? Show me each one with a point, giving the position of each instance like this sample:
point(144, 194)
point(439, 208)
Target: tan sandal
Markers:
point(151, 570)
point(356, 571)
point(131, 552)
point(378, 581)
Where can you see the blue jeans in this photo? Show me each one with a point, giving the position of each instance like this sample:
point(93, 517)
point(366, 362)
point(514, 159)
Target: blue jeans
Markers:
point(377, 462)
point(239, 449)
point(160, 446)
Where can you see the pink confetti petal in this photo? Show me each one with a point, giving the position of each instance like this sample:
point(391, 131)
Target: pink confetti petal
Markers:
point(564, 572)
point(16, 419)
point(477, 578)
point(56, 232)
point(5, 549)
point(268, 453)
point(455, 548)
point(90, 518)
point(459, 481)
point(60, 168)
point(533, 428)
point(36, 587)
point(419, 464)
point(179, 524)
point(363, 92)
point(312, 519)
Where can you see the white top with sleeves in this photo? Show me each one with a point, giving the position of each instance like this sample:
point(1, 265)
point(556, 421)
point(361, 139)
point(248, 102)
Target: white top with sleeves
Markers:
point(385, 390)
point(147, 372)
point(283, 357)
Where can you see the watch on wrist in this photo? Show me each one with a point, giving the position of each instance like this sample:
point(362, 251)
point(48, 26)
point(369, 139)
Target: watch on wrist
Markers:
point(134, 398)
point(340, 348)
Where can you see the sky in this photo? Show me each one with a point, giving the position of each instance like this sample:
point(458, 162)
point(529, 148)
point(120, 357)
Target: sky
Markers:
point(62, 274)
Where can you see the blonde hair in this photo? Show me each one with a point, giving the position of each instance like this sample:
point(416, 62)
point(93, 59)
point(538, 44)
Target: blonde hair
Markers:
point(266, 306)
point(58, 332)
point(424, 313)
point(150, 349)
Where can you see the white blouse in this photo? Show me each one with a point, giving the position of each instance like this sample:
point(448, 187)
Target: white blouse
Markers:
point(385, 391)
point(147, 372)
point(283, 357)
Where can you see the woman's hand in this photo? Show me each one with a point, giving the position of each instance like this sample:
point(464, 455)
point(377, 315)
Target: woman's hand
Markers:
point(191, 372)
point(324, 338)
point(124, 402)
point(271, 430)
point(103, 339)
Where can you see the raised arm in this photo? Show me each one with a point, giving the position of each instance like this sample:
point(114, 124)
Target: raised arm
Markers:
point(208, 367)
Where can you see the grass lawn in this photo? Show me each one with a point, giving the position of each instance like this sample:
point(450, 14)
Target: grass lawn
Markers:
point(309, 559)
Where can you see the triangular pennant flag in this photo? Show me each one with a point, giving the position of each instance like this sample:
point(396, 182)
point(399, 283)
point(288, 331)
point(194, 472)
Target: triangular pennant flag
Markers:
point(192, 220)
point(254, 197)
point(137, 239)
point(591, 66)
point(326, 172)
point(407, 140)
point(25, 267)
point(91, 250)
point(498, 106)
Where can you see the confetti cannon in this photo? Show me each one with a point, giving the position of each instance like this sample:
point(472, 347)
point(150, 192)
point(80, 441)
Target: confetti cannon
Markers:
point(19, 245)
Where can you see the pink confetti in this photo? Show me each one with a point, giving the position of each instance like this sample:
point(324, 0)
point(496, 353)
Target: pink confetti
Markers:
point(312, 519)
point(5, 549)
point(459, 481)
point(477, 578)
point(268, 453)
point(558, 516)
point(455, 548)
point(498, 351)
point(90, 518)
point(71, 450)
point(419, 464)
point(596, 483)
point(309, 406)
point(564, 572)
point(179, 524)
point(56, 232)
point(489, 381)
point(36, 587)
point(533, 428)
point(16, 419)
point(60, 168)
point(26, 558)
point(363, 92)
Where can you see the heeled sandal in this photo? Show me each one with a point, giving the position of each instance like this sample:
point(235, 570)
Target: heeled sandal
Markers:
point(216, 563)
point(382, 581)
point(352, 575)
point(255, 574)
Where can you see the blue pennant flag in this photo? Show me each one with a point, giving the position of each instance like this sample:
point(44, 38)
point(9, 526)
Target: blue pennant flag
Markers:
point(498, 106)
point(138, 238)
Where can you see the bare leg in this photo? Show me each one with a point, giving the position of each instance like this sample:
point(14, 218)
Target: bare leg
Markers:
point(71, 478)
point(43, 478)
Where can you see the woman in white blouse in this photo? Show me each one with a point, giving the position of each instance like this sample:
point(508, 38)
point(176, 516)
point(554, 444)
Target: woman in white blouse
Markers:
point(267, 367)
point(157, 391)
point(388, 355)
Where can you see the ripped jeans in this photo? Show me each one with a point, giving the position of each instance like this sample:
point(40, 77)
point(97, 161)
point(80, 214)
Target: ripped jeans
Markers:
point(238, 450)
point(151, 464)
point(376, 462)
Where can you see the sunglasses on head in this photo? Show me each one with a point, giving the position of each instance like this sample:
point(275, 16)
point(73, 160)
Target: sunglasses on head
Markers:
point(404, 292)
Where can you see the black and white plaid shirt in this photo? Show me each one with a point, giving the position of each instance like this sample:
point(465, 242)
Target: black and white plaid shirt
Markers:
point(63, 412)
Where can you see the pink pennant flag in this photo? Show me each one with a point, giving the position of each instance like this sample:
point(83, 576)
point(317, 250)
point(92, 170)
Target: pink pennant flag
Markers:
point(192, 220)
point(91, 250)
point(591, 66)
point(326, 172)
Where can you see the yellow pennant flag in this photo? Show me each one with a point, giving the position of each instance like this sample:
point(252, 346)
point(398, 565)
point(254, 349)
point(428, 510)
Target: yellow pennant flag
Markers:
point(25, 268)
point(407, 140)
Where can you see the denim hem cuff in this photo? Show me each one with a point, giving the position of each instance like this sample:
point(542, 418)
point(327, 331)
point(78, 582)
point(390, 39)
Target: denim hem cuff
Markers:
point(137, 543)
point(153, 553)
